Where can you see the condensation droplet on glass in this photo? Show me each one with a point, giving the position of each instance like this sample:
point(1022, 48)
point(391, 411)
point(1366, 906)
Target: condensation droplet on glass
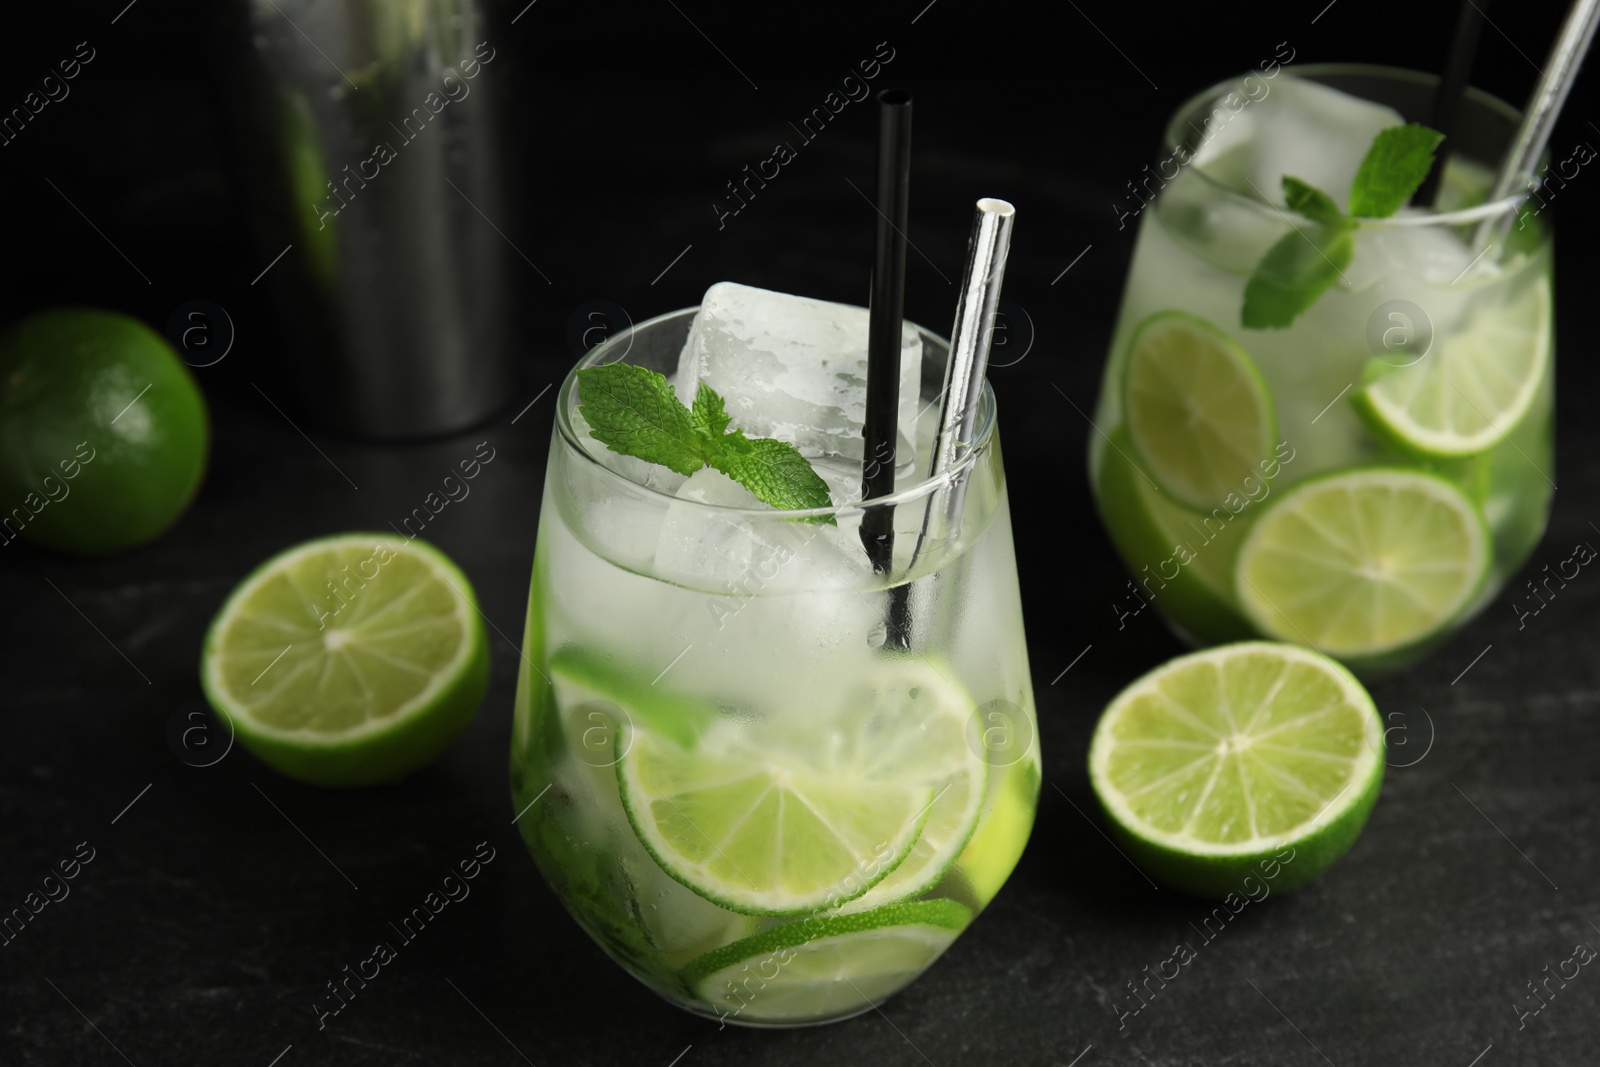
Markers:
point(877, 636)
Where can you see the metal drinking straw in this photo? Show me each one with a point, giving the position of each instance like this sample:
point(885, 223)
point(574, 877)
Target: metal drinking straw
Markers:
point(1544, 107)
point(970, 339)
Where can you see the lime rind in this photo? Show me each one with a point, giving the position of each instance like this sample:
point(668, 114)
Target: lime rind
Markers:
point(1207, 866)
point(1176, 427)
point(393, 738)
point(1280, 610)
point(826, 966)
point(853, 872)
point(1469, 379)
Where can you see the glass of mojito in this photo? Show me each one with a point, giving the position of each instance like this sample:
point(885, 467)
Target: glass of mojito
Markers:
point(771, 782)
point(1326, 413)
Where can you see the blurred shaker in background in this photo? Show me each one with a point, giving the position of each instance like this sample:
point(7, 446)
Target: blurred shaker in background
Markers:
point(370, 146)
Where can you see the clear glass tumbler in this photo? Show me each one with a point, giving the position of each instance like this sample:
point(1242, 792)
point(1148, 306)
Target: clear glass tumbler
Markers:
point(1366, 477)
point(772, 784)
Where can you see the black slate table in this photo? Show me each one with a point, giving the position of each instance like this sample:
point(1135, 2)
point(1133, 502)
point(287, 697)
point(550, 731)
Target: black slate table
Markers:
point(212, 904)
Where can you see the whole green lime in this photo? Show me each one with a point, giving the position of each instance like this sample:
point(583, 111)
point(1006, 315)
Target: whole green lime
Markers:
point(103, 432)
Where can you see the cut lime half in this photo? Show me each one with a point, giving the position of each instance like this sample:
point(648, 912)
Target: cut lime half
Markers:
point(1198, 412)
point(789, 816)
point(349, 660)
point(1362, 563)
point(1477, 383)
point(825, 967)
point(1249, 759)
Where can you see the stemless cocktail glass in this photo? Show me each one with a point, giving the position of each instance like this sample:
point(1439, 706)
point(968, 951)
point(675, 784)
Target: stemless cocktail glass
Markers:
point(1365, 479)
point(771, 784)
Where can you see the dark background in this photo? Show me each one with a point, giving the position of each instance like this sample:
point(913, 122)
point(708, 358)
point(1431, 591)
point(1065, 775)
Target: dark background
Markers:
point(208, 921)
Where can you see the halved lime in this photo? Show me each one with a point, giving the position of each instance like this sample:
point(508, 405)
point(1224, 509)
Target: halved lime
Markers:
point(828, 966)
point(1198, 413)
point(1478, 382)
point(1362, 563)
point(780, 817)
point(1253, 758)
point(348, 660)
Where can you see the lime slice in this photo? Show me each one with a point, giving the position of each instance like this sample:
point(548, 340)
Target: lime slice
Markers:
point(595, 685)
point(776, 818)
point(348, 660)
point(1002, 833)
point(1478, 382)
point(1361, 563)
point(826, 967)
point(1154, 536)
point(1198, 413)
point(924, 726)
point(1252, 758)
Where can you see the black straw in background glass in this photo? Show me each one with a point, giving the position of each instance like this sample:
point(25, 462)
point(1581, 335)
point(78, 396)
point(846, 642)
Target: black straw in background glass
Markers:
point(1452, 87)
point(887, 307)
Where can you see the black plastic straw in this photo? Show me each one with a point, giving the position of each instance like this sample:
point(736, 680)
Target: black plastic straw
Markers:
point(1447, 98)
point(888, 310)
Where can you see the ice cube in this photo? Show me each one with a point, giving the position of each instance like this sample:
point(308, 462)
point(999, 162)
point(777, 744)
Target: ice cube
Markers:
point(794, 368)
point(785, 607)
point(1316, 134)
point(726, 551)
point(1424, 265)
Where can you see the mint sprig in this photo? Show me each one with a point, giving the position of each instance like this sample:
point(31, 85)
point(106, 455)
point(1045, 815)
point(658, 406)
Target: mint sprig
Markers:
point(1395, 165)
point(1303, 264)
point(634, 411)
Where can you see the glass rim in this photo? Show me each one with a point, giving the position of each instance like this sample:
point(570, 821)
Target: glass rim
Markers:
point(923, 488)
point(1466, 216)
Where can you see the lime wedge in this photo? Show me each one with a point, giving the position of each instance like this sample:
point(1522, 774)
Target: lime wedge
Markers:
point(826, 967)
point(1465, 396)
point(1198, 413)
point(1245, 759)
point(348, 660)
point(779, 818)
point(1362, 563)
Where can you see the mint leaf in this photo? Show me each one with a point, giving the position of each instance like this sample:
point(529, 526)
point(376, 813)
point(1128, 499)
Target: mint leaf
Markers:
point(774, 471)
point(1311, 202)
point(1303, 264)
point(635, 411)
point(1397, 162)
point(1294, 272)
point(709, 414)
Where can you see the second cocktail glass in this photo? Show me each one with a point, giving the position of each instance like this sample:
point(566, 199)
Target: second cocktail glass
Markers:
point(1361, 479)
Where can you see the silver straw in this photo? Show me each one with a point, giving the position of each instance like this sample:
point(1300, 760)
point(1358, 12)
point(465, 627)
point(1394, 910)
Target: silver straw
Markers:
point(1543, 108)
point(970, 339)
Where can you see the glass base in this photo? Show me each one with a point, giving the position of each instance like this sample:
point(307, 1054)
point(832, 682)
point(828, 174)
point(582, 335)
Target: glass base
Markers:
point(756, 1024)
